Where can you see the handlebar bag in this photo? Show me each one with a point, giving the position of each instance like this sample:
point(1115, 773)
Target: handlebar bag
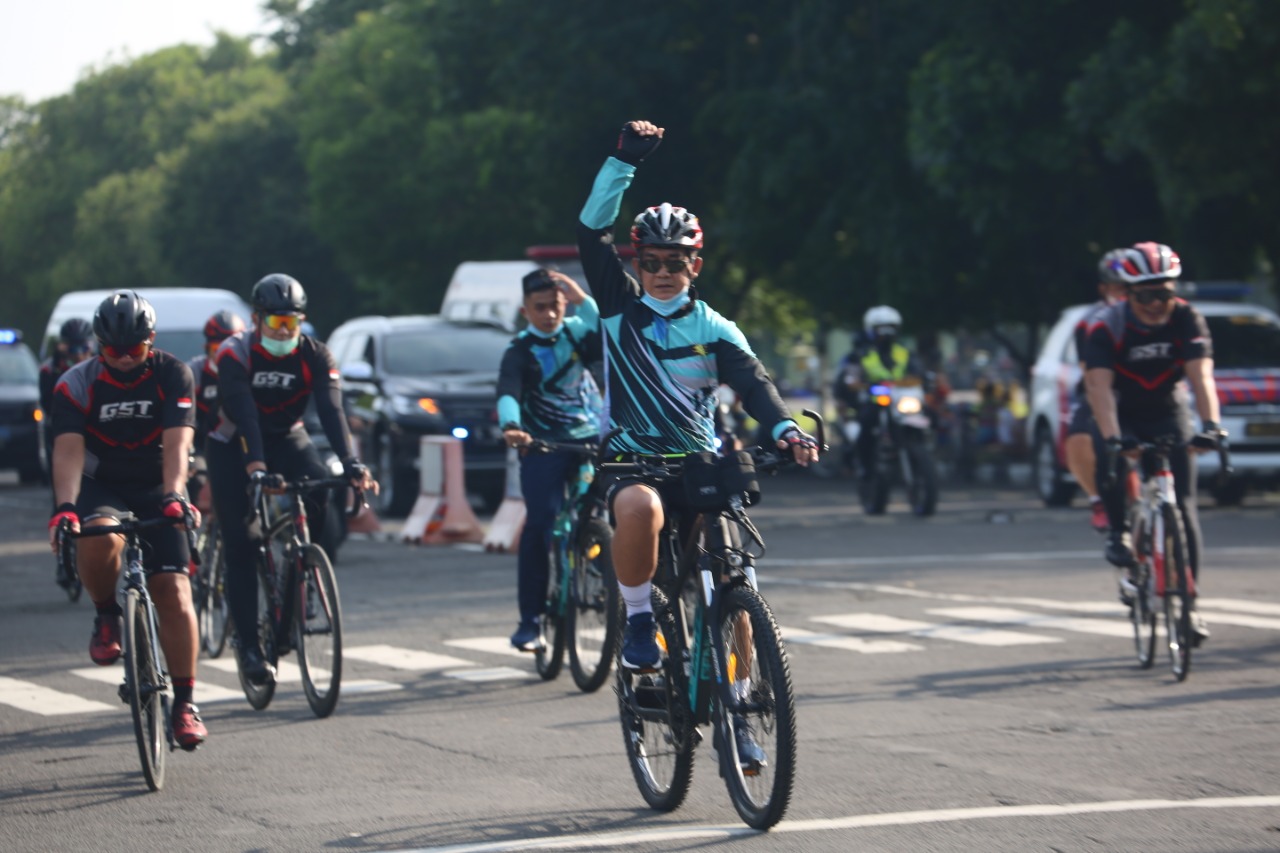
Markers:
point(710, 479)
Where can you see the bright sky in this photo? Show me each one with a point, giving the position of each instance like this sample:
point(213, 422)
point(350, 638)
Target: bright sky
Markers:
point(46, 45)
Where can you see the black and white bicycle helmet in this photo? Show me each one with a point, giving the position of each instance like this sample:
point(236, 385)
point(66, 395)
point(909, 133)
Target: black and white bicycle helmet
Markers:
point(667, 227)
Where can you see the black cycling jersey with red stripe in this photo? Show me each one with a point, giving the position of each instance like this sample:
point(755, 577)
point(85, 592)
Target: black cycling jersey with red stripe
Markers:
point(1148, 361)
point(262, 394)
point(123, 422)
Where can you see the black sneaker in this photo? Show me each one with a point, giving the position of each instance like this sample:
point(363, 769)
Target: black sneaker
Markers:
point(528, 637)
point(1119, 550)
point(254, 666)
point(639, 643)
point(750, 756)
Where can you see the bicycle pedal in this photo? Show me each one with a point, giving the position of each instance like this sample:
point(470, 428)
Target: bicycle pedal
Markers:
point(124, 693)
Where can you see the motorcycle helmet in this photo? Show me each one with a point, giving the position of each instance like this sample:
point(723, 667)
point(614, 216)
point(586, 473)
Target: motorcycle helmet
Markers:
point(881, 321)
point(123, 319)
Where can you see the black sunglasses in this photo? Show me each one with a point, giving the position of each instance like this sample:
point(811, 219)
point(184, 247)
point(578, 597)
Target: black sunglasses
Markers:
point(673, 265)
point(1146, 297)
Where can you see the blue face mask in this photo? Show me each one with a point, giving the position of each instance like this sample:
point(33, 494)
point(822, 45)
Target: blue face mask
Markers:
point(667, 307)
point(280, 348)
point(534, 330)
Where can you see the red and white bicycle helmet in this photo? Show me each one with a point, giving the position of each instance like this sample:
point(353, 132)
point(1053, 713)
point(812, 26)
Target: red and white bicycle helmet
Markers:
point(666, 227)
point(1147, 262)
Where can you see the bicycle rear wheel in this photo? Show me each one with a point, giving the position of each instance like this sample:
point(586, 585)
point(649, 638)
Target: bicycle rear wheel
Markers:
point(657, 727)
point(259, 695)
point(592, 617)
point(760, 789)
point(144, 684)
point(1177, 594)
point(212, 611)
point(317, 628)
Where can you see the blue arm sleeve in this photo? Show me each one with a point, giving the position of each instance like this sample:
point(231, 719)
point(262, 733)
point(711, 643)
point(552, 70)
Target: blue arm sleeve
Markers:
point(588, 313)
point(601, 209)
point(508, 410)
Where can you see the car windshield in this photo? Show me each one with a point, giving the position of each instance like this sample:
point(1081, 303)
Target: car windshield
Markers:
point(1245, 341)
point(18, 366)
point(443, 349)
point(184, 344)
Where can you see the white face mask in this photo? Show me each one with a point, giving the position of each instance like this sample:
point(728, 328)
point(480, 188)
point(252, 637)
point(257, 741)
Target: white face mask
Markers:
point(280, 348)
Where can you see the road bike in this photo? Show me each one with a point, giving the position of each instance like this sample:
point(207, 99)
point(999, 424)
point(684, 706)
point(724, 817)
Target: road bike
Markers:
point(582, 593)
point(209, 589)
point(724, 663)
point(1160, 576)
point(298, 605)
point(146, 683)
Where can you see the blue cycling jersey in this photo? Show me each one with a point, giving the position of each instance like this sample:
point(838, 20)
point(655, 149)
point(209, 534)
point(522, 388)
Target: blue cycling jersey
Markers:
point(661, 372)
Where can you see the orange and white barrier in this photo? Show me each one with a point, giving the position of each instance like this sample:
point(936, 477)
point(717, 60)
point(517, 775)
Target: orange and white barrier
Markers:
point(441, 515)
point(508, 521)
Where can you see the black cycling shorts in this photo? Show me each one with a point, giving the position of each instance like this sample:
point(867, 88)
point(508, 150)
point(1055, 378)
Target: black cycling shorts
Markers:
point(1081, 422)
point(164, 549)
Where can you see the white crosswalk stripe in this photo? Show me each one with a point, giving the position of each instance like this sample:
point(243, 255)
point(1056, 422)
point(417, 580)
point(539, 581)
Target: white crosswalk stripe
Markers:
point(801, 637)
point(1009, 616)
point(880, 623)
point(45, 701)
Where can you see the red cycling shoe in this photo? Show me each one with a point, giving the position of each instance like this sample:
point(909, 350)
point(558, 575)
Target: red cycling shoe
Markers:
point(188, 729)
point(104, 645)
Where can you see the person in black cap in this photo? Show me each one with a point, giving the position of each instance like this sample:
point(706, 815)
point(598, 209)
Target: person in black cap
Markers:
point(546, 391)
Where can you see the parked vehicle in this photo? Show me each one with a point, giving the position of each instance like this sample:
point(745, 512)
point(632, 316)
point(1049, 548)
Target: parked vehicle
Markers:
point(1246, 356)
point(181, 313)
point(20, 413)
point(904, 451)
point(406, 377)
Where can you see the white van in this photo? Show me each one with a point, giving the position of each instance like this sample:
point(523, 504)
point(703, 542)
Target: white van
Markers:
point(486, 292)
point(181, 313)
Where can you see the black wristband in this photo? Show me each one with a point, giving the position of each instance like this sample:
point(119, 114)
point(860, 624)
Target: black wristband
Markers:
point(509, 425)
point(65, 507)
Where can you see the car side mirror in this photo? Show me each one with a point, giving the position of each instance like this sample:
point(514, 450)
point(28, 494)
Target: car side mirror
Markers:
point(357, 371)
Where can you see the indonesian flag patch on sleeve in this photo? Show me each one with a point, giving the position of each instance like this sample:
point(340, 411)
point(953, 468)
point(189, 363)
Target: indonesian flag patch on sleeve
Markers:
point(184, 402)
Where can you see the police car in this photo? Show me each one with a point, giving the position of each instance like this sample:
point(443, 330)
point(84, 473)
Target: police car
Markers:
point(20, 414)
point(1246, 368)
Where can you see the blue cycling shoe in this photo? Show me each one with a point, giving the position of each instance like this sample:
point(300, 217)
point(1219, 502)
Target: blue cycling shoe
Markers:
point(639, 643)
point(527, 638)
point(750, 756)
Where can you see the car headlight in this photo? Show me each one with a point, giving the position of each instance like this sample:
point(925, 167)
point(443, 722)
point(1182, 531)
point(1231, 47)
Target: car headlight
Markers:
point(909, 405)
point(405, 405)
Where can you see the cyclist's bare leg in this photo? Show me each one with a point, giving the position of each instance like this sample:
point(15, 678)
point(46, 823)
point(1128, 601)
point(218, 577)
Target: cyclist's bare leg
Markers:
point(1081, 463)
point(638, 519)
point(179, 637)
point(98, 562)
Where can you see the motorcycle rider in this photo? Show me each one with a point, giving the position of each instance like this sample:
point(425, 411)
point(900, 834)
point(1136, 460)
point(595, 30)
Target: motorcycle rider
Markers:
point(881, 359)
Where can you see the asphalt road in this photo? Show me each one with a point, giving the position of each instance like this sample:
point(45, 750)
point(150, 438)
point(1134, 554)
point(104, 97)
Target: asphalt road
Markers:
point(965, 682)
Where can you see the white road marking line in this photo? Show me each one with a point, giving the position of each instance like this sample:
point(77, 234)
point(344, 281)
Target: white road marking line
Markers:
point(1008, 616)
point(801, 637)
point(883, 624)
point(488, 645)
point(45, 701)
point(500, 673)
point(1216, 617)
point(397, 657)
point(1092, 556)
point(1241, 605)
point(287, 672)
point(205, 692)
point(620, 840)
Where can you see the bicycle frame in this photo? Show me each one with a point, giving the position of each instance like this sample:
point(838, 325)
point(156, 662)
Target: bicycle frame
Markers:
point(578, 507)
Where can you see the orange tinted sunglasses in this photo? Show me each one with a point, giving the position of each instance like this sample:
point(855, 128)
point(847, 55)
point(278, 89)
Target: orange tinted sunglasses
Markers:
point(276, 322)
point(137, 350)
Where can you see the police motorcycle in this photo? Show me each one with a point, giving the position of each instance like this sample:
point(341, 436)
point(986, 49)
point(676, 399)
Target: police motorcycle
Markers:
point(904, 449)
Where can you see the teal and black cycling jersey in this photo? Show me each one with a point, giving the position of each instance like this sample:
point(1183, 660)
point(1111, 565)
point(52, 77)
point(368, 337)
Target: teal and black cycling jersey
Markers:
point(661, 373)
point(544, 384)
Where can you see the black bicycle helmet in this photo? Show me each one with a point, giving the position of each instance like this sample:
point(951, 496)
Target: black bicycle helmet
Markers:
point(221, 326)
point(123, 319)
point(667, 227)
point(278, 294)
point(76, 331)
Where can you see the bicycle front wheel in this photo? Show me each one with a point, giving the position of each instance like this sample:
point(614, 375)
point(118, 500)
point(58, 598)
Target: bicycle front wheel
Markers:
point(260, 695)
point(592, 617)
point(549, 657)
point(67, 576)
point(756, 734)
point(1142, 613)
point(1177, 593)
point(145, 687)
point(317, 627)
point(657, 725)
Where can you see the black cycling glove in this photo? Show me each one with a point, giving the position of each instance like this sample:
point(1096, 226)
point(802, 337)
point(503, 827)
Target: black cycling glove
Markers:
point(353, 469)
point(793, 435)
point(1209, 437)
point(632, 147)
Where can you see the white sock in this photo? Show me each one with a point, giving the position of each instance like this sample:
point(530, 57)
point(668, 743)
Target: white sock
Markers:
point(742, 689)
point(636, 598)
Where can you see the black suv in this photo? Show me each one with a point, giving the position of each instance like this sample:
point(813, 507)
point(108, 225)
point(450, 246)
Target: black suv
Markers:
point(20, 413)
point(406, 377)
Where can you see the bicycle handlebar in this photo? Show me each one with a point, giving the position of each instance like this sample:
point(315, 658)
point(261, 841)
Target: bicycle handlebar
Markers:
point(1166, 445)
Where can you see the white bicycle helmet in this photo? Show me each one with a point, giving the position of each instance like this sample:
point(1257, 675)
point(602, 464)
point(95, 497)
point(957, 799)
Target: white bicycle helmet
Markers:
point(881, 315)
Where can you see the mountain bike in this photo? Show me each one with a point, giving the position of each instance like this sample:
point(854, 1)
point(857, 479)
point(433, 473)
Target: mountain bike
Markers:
point(1160, 577)
point(209, 589)
point(298, 605)
point(724, 664)
point(582, 593)
point(146, 683)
